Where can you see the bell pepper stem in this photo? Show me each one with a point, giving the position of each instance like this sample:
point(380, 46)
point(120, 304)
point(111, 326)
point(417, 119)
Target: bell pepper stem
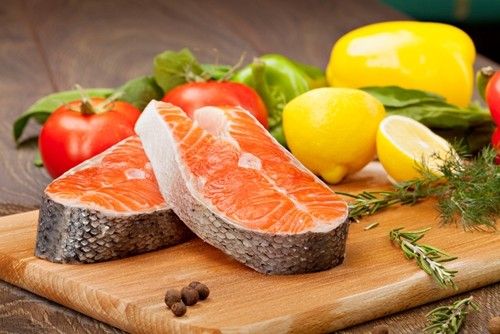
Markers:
point(261, 86)
point(482, 77)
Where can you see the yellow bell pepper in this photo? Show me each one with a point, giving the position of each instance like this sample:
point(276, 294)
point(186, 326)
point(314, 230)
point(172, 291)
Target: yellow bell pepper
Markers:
point(434, 57)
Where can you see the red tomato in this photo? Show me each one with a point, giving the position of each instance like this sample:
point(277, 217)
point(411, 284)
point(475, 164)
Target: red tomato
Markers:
point(492, 94)
point(192, 96)
point(69, 137)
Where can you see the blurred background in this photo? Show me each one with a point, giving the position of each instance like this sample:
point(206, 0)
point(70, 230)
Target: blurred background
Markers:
point(479, 18)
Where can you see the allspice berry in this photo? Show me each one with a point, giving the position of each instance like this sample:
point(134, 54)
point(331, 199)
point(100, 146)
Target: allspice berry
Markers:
point(202, 289)
point(172, 296)
point(189, 296)
point(380, 329)
point(193, 284)
point(178, 309)
point(494, 325)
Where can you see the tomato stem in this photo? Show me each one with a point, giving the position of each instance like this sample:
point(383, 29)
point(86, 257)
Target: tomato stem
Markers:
point(86, 108)
point(233, 69)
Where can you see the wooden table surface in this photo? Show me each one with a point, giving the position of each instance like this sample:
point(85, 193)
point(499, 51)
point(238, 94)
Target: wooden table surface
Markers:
point(50, 45)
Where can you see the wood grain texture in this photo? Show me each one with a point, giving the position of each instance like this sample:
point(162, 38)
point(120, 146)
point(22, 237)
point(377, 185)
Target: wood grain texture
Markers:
point(375, 279)
point(22, 312)
point(138, 30)
point(23, 79)
point(52, 44)
point(39, 315)
point(413, 320)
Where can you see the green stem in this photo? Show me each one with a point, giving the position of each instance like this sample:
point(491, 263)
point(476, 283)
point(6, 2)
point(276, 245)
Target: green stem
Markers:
point(261, 86)
point(86, 108)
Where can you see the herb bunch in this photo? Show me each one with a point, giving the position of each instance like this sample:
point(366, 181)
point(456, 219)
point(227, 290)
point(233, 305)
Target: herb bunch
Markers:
point(449, 319)
point(468, 191)
point(429, 259)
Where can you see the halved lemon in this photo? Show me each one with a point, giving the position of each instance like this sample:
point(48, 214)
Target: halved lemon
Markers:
point(403, 144)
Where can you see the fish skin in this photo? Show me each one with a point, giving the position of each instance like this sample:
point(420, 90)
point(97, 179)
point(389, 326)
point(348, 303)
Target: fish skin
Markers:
point(70, 234)
point(268, 253)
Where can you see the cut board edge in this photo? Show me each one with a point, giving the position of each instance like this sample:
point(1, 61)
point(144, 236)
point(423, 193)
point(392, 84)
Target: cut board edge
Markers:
point(156, 323)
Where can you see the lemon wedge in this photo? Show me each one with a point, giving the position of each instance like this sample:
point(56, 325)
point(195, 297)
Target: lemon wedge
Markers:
point(403, 144)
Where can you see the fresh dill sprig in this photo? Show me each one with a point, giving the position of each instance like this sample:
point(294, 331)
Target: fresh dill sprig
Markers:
point(448, 319)
point(428, 258)
point(467, 190)
point(471, 194)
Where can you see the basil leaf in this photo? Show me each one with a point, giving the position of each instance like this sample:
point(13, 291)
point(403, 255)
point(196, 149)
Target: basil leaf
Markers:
point(42, 108)
point(471, 125)
point(140, 91)
point(394, 96)
point(175, 68)
point(443, 115)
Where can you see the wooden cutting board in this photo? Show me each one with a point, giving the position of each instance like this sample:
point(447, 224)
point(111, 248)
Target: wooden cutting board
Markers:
point(374, 280)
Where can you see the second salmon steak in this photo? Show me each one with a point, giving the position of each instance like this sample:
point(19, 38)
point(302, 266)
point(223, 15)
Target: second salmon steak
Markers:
point(240, 191)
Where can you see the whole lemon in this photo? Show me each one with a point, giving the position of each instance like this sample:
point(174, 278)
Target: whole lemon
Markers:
point(332, 131)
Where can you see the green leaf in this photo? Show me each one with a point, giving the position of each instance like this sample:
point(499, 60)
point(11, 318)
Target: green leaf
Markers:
point(472, 139)
point(394, 96)
point(215, 72)
point(37, 160)
point(140, 91)
point(42, 108)
point(443, 115)
point(471, 125)
point(316, 75)
point(172, 69)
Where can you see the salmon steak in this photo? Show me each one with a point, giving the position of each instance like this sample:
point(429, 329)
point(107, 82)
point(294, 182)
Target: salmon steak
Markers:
point(105, 208)
point(235, 187)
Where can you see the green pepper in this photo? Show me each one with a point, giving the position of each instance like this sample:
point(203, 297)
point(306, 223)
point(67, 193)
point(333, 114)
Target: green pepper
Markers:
point(278, 80)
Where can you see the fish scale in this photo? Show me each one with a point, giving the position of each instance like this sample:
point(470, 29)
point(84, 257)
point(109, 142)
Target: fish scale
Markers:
point(255, 245)
point(75, 231)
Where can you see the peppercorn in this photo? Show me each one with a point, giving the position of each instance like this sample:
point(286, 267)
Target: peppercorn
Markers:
point(172, 296)
point(189, 296)
point(494, 325)
point(178, 309)
point(193, 284)
point(380, 329)
point(202, 289)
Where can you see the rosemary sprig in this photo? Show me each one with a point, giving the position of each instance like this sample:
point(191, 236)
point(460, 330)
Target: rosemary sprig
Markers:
point(468, 191)
point(448, 319)
point(405, 193)
point(429, 259)
point(371, 226)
